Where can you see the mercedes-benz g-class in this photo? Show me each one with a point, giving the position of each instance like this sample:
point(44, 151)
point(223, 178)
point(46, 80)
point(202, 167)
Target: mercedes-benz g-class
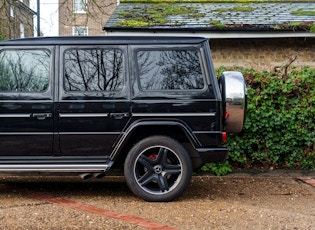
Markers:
point(151, 105)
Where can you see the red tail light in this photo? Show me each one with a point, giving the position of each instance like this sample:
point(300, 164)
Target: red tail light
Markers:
point(223, 137)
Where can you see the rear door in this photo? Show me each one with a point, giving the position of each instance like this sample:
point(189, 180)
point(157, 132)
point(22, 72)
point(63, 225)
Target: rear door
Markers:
point(94, 103)
point(171, 82)
point(26, 102)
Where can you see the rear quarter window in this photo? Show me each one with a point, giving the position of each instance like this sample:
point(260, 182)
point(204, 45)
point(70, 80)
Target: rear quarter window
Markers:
point(170, 69)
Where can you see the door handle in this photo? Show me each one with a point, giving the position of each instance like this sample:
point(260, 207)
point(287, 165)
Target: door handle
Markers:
point(119, 115)
point(41, 116)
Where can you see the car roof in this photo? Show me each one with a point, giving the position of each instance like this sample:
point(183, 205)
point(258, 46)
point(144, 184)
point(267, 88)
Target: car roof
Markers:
point(118, 40)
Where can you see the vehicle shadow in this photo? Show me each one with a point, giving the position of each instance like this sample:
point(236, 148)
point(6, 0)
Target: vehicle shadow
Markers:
point(66, 186)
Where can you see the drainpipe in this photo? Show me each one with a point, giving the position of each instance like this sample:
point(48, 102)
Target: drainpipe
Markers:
point(38, 19)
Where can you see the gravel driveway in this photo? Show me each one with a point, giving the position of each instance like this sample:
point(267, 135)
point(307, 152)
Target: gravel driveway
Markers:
point(237, 201)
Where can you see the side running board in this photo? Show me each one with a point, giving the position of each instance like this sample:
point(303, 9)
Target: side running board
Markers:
point(55, 167)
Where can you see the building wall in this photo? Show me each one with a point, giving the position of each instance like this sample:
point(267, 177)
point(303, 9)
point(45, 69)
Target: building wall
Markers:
point(263, 54)
point(96, 15)
point(3, 24)
point(10, 26)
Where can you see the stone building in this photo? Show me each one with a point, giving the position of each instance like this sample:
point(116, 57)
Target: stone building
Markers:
point(16, 19)
point(83, 17)
point(257, 35)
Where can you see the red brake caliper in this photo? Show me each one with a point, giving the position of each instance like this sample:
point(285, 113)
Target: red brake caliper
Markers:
point(153, 156)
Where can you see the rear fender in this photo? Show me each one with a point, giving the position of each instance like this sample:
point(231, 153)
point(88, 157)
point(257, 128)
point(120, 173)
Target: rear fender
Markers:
point(127, 135)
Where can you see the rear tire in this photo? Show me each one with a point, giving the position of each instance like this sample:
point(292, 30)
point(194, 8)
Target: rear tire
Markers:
point(158, 168)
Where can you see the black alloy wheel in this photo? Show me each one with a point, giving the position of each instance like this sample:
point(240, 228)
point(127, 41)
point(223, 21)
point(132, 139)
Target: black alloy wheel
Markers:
point(158, 168)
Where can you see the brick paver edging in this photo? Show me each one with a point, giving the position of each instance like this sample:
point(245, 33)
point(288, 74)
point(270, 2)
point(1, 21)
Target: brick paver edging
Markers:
point(309, 181)
point(141, 222)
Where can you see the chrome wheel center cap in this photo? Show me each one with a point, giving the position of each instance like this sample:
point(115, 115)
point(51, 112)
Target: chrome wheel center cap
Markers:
point(157, 169)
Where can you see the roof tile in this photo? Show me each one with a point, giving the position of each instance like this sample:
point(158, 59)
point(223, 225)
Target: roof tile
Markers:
point(216, 16)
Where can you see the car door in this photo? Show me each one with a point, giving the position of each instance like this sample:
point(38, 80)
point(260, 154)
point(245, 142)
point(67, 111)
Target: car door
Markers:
point(169, 83)
point(94, 104)
point(26, 102)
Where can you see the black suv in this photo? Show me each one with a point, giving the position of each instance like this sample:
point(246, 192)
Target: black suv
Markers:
point(150, 105)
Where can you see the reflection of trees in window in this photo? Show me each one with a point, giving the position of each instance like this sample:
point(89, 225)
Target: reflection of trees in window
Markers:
point(170, 69)
point(24, 70)
point(93, 70)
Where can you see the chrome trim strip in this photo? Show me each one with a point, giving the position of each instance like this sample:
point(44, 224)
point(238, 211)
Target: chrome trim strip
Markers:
point(26, 133)
point(15, 115)
point(90, 133)
point(173, 114)
point(83, 115)
point(64, 133)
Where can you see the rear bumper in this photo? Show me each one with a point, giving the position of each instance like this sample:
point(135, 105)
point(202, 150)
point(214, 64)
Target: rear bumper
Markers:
point(213, 155)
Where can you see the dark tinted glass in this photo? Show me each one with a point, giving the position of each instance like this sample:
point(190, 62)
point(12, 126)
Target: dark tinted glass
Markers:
point(170, 70)
point(24, 70)
point(93, 70)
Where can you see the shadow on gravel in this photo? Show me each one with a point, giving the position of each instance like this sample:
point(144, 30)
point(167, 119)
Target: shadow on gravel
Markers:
point(201, 187)
point(67, 186)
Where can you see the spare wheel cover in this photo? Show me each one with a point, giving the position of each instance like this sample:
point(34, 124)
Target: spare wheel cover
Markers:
point(235, 100)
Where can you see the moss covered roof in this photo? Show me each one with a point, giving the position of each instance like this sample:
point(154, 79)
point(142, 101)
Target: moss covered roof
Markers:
point(222, 15)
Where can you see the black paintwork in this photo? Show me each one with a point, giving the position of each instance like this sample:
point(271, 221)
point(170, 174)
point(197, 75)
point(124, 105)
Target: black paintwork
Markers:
point(56, 126)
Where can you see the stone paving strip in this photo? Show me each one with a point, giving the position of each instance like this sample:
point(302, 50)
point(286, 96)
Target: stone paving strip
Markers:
point(307, 176)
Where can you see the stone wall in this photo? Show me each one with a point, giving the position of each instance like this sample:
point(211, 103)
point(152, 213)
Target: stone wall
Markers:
point(263, 54)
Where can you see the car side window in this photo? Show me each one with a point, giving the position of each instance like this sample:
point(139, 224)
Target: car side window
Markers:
point(170, 69)
point(24, 70)
point(95, 69)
